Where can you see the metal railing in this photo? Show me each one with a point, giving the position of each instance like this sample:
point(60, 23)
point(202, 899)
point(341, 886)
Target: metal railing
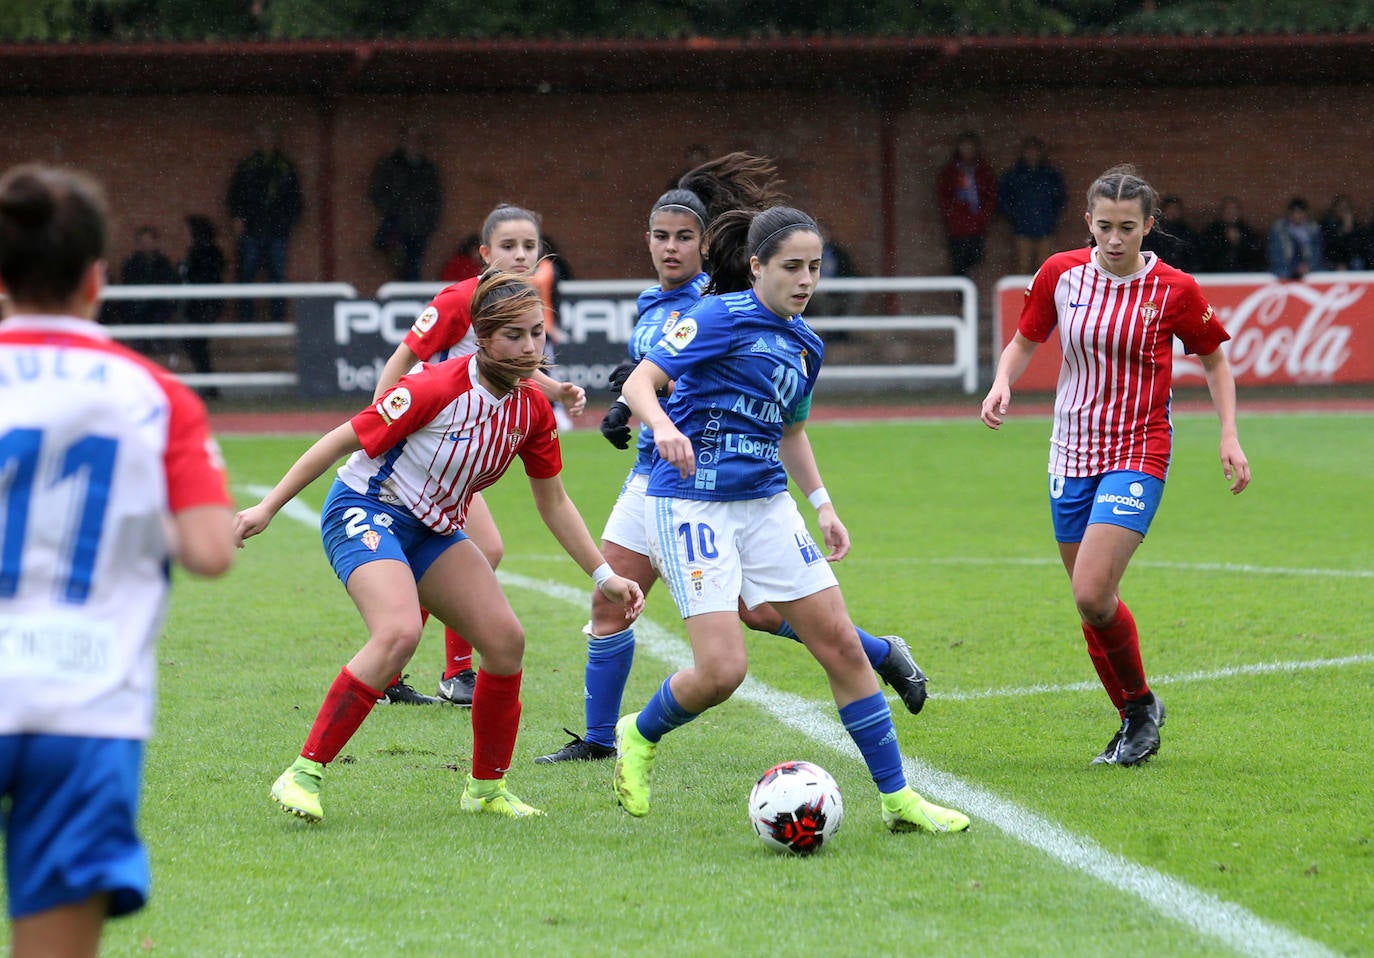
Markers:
point(222, 330)
point(960, 326)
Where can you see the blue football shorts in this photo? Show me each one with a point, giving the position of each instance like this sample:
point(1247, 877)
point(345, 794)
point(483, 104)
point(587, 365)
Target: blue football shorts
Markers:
point(70, 810)
point(1123, 498)
point(357, 529)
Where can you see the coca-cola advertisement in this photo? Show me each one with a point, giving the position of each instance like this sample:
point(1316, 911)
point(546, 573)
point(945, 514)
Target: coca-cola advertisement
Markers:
point(1314, 331)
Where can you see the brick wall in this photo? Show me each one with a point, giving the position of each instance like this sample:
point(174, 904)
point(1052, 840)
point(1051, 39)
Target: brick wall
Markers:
point(593, 164)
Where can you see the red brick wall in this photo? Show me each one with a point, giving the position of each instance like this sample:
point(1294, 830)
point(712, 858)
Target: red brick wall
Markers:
point(593, 164)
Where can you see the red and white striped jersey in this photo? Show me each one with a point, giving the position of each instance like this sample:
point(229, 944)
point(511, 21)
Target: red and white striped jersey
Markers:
point(98, 447)
point(444, 328)
point(1111, 407)
point(439, 435)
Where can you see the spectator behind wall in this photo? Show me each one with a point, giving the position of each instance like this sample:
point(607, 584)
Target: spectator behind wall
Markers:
point(1343, 238)
point(1177, 243)
point(1295, 242)
point(1032, 197)
point(966, 190)
point(466, 261)
point(406, 191)
point(265, 203)
point(1230, 244)
point(147, 265)
point(204, 265)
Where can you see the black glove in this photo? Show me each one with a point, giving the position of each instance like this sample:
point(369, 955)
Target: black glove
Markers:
point(615, 425)
point(616, 380)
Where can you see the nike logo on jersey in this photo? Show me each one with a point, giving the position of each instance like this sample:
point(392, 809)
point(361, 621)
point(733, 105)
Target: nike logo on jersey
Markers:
point(458, 437)
point(1077, 305)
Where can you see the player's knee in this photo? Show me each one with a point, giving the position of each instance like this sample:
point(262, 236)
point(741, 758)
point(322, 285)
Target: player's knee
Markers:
point(503, 650)
point(719, 682)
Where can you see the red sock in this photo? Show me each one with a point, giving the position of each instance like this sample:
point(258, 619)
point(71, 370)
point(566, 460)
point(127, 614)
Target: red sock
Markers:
point(495, 722)
point(457, 653)
point(345, 706)
point(1120, 643)
point(1105, 673)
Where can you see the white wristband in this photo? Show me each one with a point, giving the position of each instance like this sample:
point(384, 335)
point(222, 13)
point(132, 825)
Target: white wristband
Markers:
point(602, 573)
point(818, 498)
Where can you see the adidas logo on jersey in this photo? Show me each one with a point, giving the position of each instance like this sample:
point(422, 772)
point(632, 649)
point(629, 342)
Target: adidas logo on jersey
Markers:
point(759, 346)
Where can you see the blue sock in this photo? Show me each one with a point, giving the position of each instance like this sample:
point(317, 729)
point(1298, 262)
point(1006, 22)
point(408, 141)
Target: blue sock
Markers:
point(608, 668)
point(662, 714)
point(869, 723)
point(786, 632)
point(875, 649)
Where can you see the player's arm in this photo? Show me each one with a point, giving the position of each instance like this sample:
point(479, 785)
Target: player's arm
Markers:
point(401, 362)
point(561, 517)
point(327, 450)
point(1012, 363)
point(572, 396)
point(799, 460)
point(1221, 385)
point(204, 539)
point(640, 393)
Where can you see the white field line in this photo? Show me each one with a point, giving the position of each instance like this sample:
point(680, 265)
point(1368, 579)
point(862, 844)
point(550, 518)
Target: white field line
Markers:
point(1224, 567)
point(1205, 914)
point(1208, 675)
point(1232, 925)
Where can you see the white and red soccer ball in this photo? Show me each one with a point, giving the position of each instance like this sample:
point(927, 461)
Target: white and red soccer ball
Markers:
point(796, 807)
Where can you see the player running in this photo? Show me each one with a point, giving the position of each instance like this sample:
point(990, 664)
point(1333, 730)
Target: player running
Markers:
point(677, 224)
point(1117, 310)
point(510, 242)
point(108, 474)
point(720, 524)
point(392, 528)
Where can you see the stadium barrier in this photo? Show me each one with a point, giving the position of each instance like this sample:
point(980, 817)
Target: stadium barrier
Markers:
point(881, 332)
point(1317, 331)
point(260, 338)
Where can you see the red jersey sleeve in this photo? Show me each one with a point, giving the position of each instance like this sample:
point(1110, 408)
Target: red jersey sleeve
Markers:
point(540, 452)
point(1196, 324)
point(1039, 315)
point(407, 407)
point(444, 322)
point(192, 462)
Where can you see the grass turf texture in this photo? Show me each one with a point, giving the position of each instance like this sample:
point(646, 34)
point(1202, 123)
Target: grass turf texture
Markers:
point(1259, 797)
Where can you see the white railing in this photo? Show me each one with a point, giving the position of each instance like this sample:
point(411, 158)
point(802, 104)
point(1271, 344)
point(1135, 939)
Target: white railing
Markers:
point(222, 330)
point(962, 326)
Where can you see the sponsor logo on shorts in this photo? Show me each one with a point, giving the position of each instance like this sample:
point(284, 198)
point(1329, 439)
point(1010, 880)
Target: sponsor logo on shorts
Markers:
point(807, 547)
point(1130, 505)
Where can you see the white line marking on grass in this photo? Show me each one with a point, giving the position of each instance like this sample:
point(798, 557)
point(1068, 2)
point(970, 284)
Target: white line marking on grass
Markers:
point(1178, 901)
point(294, 509)
point(1206, 914)
point(1210, 675)
point(1147, 563)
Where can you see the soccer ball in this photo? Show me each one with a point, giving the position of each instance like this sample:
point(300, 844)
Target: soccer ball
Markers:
point(796, 807)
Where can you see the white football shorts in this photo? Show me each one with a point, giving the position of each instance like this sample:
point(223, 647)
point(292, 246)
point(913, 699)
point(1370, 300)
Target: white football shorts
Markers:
point(712, 554)
point(625, 524)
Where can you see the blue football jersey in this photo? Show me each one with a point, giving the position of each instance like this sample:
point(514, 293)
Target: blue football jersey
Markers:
point(658, 309)
point(741, 374)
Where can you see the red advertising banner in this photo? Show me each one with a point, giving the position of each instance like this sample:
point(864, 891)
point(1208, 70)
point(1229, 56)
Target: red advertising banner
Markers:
point(1317, 331)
